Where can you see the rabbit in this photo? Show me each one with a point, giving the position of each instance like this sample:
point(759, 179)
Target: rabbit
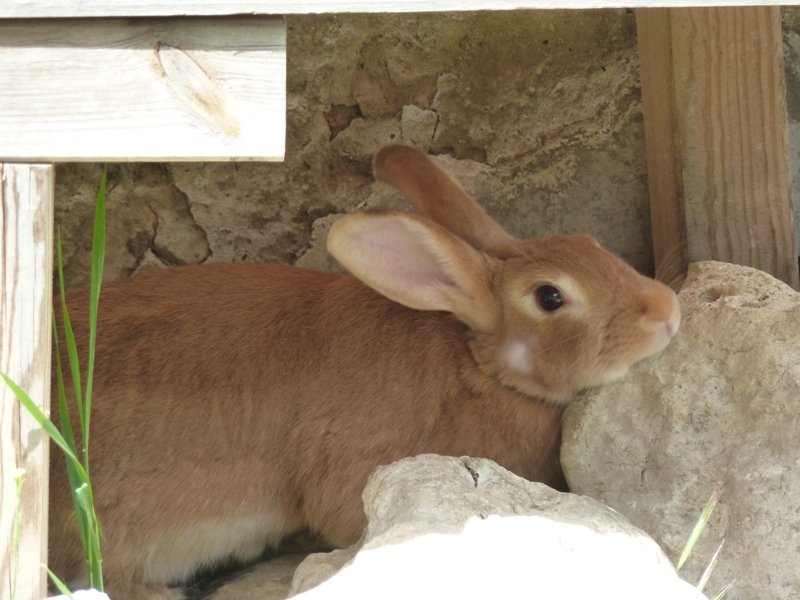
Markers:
point(237, 403)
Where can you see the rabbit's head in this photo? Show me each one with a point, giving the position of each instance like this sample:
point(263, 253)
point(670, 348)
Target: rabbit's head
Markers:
point(548, 316)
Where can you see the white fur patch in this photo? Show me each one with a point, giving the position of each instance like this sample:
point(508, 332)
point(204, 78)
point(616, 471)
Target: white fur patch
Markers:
point(178, 554)
point(516, 355)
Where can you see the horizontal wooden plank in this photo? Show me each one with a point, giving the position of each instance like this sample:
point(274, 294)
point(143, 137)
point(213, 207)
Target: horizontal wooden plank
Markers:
point(138, 8)
point(142, 89)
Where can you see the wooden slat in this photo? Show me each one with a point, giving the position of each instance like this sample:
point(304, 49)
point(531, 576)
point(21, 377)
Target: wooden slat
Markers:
point(663, 181)
point(128, 8)
point(717, 136)
point(26, 269)
point(144, 89)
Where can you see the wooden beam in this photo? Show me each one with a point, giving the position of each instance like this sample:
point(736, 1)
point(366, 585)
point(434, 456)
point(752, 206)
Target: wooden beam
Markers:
point(716, 128)
point(26, 274)
point(142, 89)
point(663, 172)
point(144, 8)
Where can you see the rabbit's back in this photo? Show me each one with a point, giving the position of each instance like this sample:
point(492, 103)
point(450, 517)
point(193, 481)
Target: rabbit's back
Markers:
point(236, 403)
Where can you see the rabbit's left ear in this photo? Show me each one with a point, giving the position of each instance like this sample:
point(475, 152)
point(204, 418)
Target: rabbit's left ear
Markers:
point(438, 196)
point(418, 264)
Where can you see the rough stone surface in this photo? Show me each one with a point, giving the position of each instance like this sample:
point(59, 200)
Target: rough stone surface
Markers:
point(543, 106)
point(443, 527)
point(266, 581)
point(721, 406)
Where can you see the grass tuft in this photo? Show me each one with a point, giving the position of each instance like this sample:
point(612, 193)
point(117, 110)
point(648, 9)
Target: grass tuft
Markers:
point(78, 469)
point(702, 521)
point(699, 527)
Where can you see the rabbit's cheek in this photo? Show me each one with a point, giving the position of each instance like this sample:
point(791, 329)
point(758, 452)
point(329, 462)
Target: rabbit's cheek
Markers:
point(516, 356)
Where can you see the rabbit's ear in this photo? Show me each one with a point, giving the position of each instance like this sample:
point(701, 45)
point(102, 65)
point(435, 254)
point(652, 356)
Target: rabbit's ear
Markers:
point(437, 195)
point(417, 263)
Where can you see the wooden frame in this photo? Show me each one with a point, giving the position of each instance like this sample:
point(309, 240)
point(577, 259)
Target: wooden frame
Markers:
point(755, 217)
point(716, 128)
point(150, 8)
point(26, 274)
point(143, 90)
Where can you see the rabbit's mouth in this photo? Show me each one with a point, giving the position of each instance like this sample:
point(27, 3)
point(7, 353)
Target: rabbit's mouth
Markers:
point(661, 331)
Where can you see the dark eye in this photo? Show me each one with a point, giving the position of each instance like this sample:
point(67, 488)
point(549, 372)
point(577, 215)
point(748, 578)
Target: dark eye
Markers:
point(549, 298)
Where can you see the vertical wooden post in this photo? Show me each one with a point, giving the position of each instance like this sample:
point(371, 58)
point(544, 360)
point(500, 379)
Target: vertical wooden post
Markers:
point(716, 128)
point(26, 272)
point(663, 171)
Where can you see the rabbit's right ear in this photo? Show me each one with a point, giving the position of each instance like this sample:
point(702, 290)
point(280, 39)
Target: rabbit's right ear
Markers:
point(437, 195)
point(418, 264)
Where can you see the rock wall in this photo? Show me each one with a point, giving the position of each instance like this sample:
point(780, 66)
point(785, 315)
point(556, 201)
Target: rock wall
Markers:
point(539, 110)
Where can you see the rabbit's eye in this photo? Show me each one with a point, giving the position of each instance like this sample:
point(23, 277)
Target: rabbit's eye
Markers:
point(549, 298)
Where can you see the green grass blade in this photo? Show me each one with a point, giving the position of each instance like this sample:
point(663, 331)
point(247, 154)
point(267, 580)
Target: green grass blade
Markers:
point(75, 478)
point(699, 527)
point(42, 419)
point(83, 512)
point(59, 584)
point(66, 424)
point(84, 502)
point(76, 470)
point(72, 350)
point(98, 256)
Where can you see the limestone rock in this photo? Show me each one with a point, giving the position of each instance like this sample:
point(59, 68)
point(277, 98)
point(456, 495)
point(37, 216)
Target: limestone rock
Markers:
point(317, 256)
point(318, 568)
point(418, 126)
point(83, 595)
point(719, 407)
point(443, 527)
point(266, 581)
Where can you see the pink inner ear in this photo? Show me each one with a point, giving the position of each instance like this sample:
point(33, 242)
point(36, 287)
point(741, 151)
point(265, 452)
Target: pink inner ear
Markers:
point(400, 255)
point(407, 259)
point(417, 263)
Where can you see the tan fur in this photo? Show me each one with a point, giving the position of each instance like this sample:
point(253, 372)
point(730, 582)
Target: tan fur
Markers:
point(236, 403)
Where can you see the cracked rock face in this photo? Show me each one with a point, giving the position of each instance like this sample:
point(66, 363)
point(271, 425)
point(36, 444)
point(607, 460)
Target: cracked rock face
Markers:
point(538, 111)
point(443, 527)
point(721, 406)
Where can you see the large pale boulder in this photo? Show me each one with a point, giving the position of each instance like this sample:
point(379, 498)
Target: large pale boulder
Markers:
point(721, 406)
point(443, 527)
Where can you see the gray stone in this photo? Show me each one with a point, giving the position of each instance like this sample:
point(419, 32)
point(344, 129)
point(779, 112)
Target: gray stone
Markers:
point(320, 567)
point(418, 126)
point(269, 580)
point(721, 406)
point(443, 527)
point(317, 257)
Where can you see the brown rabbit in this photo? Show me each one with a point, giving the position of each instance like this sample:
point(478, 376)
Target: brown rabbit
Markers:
point(237, 403)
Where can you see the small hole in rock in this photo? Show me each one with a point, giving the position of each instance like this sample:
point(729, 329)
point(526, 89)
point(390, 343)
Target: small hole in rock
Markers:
point(711, 295)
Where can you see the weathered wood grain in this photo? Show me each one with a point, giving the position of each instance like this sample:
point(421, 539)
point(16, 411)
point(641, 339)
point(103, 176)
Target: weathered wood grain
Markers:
point(142, 89)
point(95, 8)
point(663, 176)
point(717, 136)
point(26, 270)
